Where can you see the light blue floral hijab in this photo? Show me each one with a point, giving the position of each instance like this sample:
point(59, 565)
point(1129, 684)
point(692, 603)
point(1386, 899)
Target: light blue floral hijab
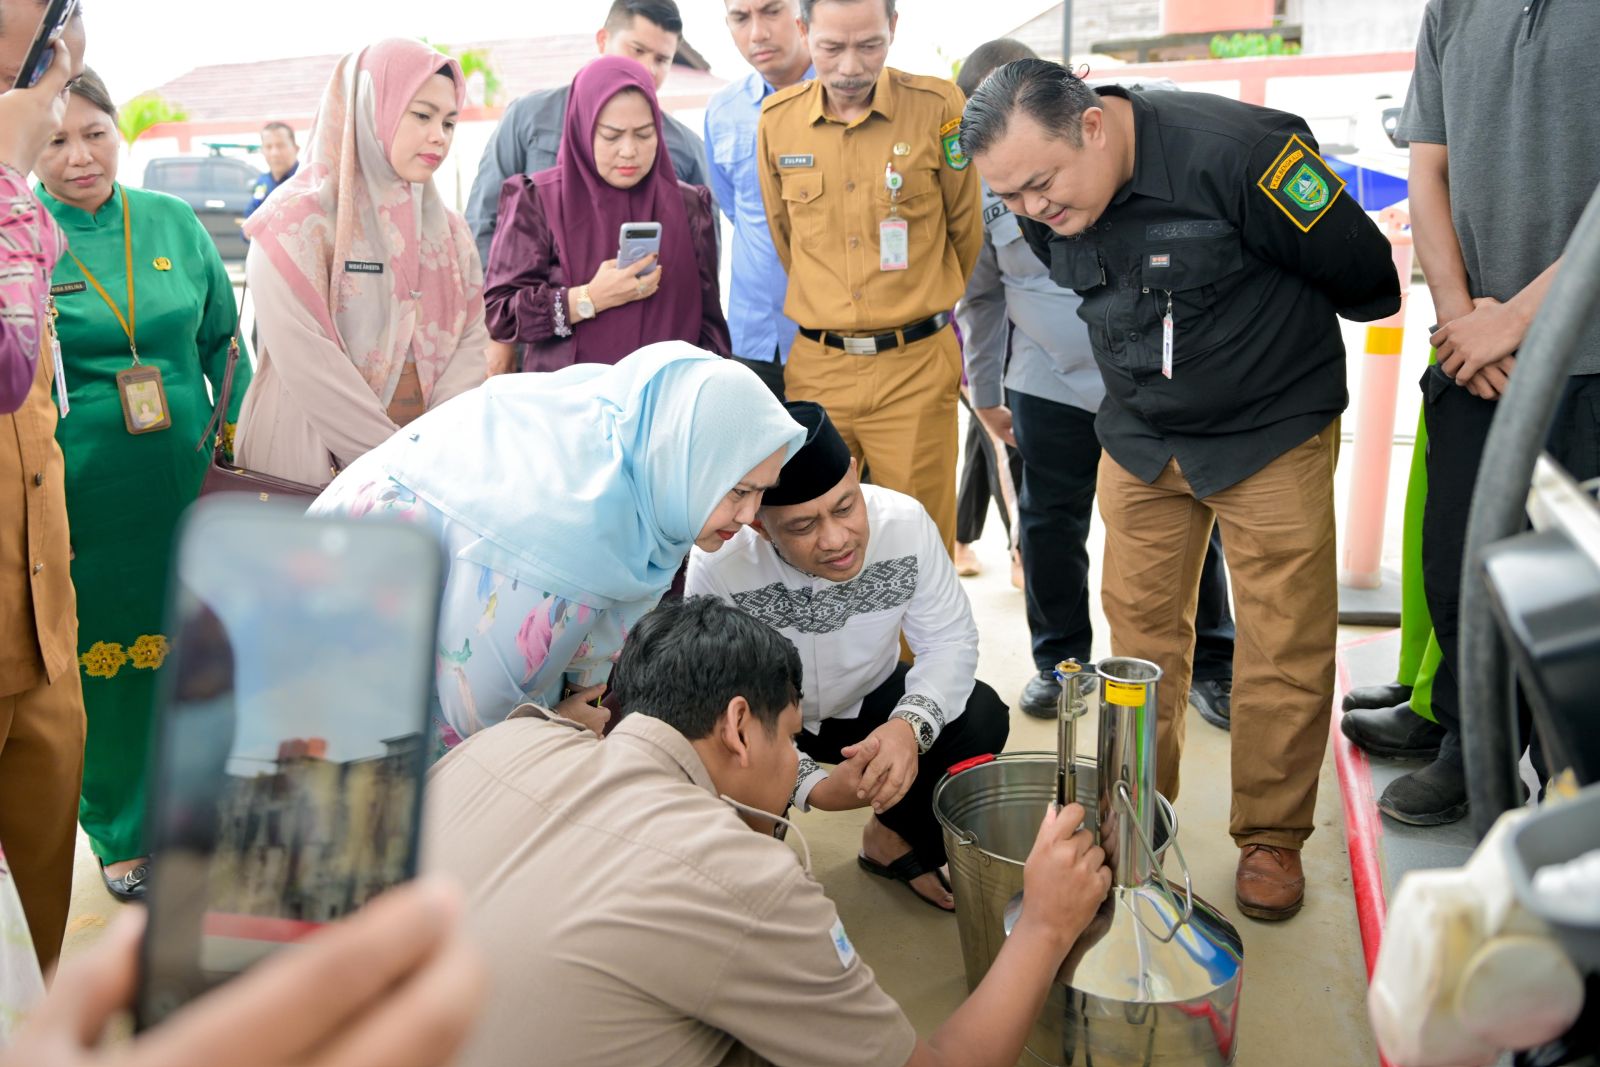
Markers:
point(593, 481)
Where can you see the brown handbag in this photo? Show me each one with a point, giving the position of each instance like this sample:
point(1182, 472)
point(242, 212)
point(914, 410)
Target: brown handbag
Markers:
point(224, 476)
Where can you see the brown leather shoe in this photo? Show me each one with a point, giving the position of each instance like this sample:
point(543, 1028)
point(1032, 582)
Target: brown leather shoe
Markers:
point(1269, 884)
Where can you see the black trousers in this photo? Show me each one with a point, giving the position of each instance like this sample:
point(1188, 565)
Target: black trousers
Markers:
point(1060, 455)
point(979, 481)
point(979, 730)
point(1458, 426)
point(770, 371)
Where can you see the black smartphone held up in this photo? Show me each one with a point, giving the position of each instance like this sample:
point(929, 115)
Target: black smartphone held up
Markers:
point(636, 240)
point(291, 737)
point(41, 53)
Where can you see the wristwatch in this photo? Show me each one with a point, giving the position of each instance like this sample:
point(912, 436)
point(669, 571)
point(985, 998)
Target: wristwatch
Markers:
point(921, 728)
point(582, 304)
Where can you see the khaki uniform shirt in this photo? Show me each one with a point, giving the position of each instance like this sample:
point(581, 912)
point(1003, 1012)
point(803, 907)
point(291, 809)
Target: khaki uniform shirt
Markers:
point(38, 610)
point(823, 184)
point(631, 917)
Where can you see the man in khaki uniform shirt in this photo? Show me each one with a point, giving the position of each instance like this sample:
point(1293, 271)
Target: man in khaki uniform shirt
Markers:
point(41, 694)
point(875, 215)
point(635, 908)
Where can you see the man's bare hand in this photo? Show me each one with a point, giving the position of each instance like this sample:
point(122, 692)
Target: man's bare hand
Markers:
point(838, 791)
point(579, 706)
point(1489, 333)
point(997, 420)
point(893, 770)
point(1065, 879)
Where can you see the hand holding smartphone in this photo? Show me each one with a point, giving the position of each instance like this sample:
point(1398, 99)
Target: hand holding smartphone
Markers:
point(41, 52)
point(291, 739)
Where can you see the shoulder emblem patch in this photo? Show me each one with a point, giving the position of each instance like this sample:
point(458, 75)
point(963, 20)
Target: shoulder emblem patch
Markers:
point(950, 138)
point(1301, 184)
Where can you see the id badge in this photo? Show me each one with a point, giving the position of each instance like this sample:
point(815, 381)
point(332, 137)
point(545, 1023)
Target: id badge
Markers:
point(1166, 345)
point(894, 244)
point(144, 399)
point(62, 404)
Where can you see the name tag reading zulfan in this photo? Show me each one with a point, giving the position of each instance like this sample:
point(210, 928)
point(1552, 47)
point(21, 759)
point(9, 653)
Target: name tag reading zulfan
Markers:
point(796, 161)
point(362, 266)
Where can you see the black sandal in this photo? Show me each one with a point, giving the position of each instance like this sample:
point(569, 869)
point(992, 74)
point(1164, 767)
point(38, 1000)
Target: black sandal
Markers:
point(131, 886)
point(904, 870)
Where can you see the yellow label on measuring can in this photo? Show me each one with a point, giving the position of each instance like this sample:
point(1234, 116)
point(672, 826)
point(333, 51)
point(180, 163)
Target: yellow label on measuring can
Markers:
point(1125, 695)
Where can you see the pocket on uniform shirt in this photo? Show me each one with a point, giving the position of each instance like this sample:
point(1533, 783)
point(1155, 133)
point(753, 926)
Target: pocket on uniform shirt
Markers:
point(807, 209)
point(1189, 269)
point(918, 205)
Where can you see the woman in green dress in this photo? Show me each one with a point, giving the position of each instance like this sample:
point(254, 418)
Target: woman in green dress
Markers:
point(146, 315)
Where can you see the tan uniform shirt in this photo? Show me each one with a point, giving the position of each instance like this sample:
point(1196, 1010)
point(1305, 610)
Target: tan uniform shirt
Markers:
point(822, 181)
point(38, 609)
point(630, 917)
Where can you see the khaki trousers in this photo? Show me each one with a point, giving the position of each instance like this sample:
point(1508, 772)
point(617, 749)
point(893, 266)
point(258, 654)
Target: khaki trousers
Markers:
point(896, 410)
point(41, 771)
point(1278, 530)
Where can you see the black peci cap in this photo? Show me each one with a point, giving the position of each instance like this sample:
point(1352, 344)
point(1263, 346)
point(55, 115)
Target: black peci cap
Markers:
point(821, 463)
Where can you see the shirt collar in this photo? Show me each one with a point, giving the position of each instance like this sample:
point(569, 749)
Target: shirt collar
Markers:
point(1150, 177)
point(757, 88)
point(666, 745)
point(110, 213)
point(882, 99)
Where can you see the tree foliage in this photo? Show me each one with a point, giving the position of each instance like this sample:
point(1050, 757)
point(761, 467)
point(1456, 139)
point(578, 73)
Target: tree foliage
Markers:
point(1241, 45)
point(143, 112)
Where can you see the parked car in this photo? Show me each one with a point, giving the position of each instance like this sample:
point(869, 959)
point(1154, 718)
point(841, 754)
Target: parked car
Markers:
point(218, 187)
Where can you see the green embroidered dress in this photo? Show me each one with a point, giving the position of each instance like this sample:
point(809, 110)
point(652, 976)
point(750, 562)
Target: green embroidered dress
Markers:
point(126, 491)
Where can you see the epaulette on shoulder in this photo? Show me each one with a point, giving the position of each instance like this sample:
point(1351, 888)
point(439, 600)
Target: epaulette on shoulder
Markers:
point(784, 95)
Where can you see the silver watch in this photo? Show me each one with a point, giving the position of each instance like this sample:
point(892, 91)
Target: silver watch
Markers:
point(920, 727)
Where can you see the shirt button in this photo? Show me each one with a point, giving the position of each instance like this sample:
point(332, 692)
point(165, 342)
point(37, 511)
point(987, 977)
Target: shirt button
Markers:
point(38, 479)
point(856, 294)
point(854, 241)
point(1133, 335)
point(37, 567)
point(849, 187)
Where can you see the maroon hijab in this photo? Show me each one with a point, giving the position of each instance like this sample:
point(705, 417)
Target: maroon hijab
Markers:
point(585, 214)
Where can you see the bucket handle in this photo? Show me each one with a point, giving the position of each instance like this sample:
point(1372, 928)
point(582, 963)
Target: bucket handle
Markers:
point(1125, 801)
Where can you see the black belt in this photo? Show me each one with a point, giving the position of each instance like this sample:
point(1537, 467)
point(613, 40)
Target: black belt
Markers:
point(873, 343)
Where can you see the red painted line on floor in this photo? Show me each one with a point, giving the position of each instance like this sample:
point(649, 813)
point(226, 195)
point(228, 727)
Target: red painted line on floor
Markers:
point(256, 927)
point(1363, 826)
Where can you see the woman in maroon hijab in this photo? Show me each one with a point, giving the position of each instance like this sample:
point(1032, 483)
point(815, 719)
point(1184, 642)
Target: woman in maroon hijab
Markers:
point(552, 281)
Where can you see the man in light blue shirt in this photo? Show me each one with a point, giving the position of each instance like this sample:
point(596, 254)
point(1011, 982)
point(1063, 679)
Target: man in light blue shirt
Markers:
point(767, 33)
point(1035, 385)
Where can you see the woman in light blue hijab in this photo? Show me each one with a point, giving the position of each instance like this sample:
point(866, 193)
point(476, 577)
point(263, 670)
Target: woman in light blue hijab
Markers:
point(566, 502)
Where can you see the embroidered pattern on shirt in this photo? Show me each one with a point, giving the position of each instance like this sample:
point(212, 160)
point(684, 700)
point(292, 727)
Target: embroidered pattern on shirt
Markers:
point(923, 705)
point(562, 329)
point(881, 587)
point(808, 767)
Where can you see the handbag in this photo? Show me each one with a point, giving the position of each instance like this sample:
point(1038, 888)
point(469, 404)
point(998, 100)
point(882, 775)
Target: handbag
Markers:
point(225, 476)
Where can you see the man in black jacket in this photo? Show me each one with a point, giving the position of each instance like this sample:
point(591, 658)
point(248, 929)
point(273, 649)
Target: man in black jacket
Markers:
point(1214, 251)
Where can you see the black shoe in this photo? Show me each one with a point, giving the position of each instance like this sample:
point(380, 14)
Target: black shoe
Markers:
point(1039, 696)
point(1214, 701)
point(1432, 796)
point(1377, 696)
point(130, 886)
point(1398, 732)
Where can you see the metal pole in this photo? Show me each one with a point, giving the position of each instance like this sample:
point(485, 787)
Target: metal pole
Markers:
point(1066, 33)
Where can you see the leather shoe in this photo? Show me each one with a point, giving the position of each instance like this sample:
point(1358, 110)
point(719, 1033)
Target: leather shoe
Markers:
point(1039, 696)
point(1398, 732)
point(1269, 883)
point(1377, 696)
point(131, 886)
point(1214, 701)
point(1432, 796)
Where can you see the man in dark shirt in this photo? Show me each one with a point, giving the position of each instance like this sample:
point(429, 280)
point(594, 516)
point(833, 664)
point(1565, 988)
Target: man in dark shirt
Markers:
point(1213, 250)
point(282, 156)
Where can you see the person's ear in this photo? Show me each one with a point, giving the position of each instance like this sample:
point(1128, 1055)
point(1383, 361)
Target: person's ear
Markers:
point(805, 31)
point(894, 20)
point(737, 722)
point(1094, 127)
point(760, 527)
point(602, 37)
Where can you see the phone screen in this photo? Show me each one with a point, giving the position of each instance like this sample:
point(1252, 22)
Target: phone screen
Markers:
point(41, 52)
point(291, 747)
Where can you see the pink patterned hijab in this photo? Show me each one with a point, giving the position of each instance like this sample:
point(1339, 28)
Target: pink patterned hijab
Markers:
point(380, 264)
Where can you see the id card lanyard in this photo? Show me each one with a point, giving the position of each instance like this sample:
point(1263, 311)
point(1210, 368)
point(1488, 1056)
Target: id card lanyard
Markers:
point(894, 241)
point(144, 400)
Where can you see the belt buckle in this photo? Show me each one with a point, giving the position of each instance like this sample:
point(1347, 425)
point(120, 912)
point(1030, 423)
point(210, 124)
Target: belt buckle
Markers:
point(860, 346)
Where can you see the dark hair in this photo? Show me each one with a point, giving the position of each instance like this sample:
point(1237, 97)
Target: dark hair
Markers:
point(663, 13)
point(283, 128)
point(984, 58)
point(88, 87)
point(806, 7)
point(686, 659)
point(448, 72)
point(1055, 97)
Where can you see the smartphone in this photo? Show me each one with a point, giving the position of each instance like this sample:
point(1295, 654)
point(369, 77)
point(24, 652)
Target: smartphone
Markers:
point(291, 733)
point(41, 53)
point(637, 240)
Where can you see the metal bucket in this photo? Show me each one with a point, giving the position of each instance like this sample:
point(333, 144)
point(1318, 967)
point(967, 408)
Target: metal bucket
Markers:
point(990, 815)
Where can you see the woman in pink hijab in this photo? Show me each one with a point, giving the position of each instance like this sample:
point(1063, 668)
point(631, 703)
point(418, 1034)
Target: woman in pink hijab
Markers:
point(368, 290)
